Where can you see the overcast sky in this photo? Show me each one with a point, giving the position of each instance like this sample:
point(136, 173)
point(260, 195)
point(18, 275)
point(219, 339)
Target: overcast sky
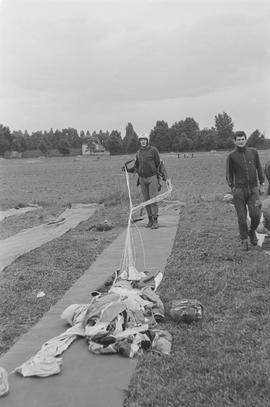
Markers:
point(96, 64)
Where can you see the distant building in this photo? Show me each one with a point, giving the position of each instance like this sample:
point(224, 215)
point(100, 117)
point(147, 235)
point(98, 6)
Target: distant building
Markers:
point(92, 146)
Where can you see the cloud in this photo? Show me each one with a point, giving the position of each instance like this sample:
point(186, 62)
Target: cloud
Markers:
point(88, 54)
point(141, 55)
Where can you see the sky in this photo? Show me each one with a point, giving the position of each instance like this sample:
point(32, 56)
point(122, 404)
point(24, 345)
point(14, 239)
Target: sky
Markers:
point(99, 64)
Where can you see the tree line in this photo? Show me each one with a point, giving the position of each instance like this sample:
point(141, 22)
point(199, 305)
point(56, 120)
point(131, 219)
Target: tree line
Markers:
point(183, 136)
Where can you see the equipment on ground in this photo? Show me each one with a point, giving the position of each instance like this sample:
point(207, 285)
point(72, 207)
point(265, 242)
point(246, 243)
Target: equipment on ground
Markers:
point(186, 311)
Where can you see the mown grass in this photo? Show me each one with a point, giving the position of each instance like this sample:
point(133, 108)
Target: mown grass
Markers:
point(224, 360)
point(54, 267)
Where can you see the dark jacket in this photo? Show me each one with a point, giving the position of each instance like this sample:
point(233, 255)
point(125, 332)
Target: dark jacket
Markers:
point(267, 174)
point(267, 170)
point(243, 168)
point(147, 161)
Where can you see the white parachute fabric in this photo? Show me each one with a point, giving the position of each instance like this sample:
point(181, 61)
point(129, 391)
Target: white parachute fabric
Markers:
point(128, 269)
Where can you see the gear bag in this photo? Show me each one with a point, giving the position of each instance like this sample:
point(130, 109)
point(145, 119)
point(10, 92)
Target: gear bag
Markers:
point(186, 311)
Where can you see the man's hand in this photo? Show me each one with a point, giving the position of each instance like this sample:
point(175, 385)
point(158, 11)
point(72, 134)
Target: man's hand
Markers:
point(168, 183)
point(261, 189)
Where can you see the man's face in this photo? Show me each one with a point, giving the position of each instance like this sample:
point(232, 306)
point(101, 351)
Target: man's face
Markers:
point(143, 142)
point(240, 141)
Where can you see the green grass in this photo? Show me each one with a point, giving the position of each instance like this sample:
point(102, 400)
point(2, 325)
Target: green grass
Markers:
point(225, 359)
point(221, 361)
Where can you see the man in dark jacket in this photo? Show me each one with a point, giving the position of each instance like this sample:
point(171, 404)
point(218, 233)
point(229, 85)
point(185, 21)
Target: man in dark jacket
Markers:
point(243, 168)
point(147, 164)
point(267, 174)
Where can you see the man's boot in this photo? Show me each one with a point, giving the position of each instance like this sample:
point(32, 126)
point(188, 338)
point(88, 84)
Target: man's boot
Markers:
point(252, 237)
point(155, 223)
point(150, 222)
point(244, 243)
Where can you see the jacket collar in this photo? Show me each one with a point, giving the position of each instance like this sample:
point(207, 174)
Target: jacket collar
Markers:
point(241, 149)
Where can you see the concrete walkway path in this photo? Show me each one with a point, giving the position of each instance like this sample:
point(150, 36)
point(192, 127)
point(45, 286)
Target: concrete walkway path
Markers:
point(29, 239)
point(86, 380)
point(17, 212)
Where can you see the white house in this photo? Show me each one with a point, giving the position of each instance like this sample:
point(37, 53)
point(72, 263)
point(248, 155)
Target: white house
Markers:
point(93, 147)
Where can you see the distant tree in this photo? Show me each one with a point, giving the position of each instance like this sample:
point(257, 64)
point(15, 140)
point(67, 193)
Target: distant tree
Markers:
point(115, 143)
point(160, 136)
point(5, 139)
point(57, 138)
point(185, 143)
point(224, 128)
point(207, 140)
point(4, 145)
point(266, 144)
point(191, 128)
point(176, 129)
point(256, 139)
point(63, 147)
point(94, 134)
point(103, 137)
point(72, 137)
point(18, 142)
point(33, 141)
point(50, 140)
point(27, 139)
point(176, 144)
point(82, 134)
point(43, 146)
point(131, 142)
point(16, 145)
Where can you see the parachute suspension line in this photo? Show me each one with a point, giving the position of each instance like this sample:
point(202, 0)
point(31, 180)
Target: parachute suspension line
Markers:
point(142, 246)
point(127, 267)
point(128, 260)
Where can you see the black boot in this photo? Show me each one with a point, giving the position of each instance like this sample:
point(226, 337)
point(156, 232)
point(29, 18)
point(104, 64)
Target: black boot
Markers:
point(252, 237)
point(244, 243)
point(155, 223)
point(150, 222)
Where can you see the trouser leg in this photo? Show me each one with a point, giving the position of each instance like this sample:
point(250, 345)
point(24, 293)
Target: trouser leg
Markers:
point(254, 208)
point(241, 212)
point(146, 196)
point(268, 179)
point(153, 191)
point(266, 212)
point(267, 174)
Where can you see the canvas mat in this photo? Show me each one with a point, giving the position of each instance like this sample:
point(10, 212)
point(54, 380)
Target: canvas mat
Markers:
point(29, 239)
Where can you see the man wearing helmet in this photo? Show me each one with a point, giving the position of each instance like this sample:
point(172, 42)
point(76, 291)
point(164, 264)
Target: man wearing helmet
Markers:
point(147, 163)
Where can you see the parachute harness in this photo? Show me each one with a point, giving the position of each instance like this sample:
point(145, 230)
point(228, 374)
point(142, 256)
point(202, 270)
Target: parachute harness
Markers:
point(128, 269)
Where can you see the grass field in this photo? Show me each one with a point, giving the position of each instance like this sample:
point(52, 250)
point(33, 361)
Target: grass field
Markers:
point(222, 361)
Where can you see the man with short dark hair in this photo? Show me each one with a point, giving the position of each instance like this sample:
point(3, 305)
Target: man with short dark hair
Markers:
point(243, 169)
point(267, 174)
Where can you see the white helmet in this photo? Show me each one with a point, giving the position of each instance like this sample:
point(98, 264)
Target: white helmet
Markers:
point(144, 136)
